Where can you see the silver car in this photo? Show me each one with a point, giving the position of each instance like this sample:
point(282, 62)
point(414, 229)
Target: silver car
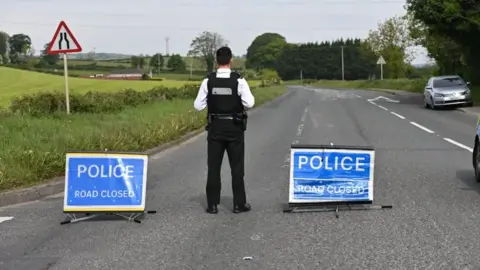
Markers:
point(447, 91)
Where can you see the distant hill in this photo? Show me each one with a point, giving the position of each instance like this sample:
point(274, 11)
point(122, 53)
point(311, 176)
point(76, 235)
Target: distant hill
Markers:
point(99, 56)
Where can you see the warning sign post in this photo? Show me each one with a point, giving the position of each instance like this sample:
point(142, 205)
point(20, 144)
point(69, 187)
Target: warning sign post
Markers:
point(64, 42)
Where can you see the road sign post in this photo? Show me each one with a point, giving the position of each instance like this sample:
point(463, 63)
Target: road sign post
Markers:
point(331, 178)
point(381, 62)
point(105, 183)
point(64, 42)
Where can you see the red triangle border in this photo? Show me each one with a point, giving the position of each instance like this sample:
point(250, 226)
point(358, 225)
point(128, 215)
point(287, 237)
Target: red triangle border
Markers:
point(49, 49)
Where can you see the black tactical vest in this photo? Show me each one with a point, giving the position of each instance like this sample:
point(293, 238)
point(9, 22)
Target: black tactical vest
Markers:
point(223, 95)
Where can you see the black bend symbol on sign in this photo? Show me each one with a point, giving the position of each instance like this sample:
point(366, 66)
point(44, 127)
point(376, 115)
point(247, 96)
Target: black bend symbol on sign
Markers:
point(63, 37)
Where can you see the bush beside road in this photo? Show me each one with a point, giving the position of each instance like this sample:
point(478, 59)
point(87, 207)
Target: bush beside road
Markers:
point(33, 147)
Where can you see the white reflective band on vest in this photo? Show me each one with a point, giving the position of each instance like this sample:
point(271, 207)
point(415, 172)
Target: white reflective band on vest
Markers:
point(221, 91)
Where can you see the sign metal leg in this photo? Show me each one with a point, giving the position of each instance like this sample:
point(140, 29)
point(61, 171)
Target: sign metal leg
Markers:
point(72, 218)
point(333, 208)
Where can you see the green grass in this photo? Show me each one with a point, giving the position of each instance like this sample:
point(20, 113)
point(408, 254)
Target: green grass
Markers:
point(33, 149)
point(15, 82)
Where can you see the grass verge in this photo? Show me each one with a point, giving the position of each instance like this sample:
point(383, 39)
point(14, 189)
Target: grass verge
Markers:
point(33, 149)
point(416, 86)
point(401, 84)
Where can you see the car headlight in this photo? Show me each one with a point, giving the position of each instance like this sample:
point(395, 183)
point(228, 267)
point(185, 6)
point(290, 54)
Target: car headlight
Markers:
point(438, 95)
point(466, 92)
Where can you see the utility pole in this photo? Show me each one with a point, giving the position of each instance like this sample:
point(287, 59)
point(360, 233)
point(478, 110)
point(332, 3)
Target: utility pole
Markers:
point(343, 67)
point(158, 62)
point(301, 76)
point(191, 61)
point(166, 45)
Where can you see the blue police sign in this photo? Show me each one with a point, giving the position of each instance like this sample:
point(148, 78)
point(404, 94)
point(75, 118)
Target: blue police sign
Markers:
point(105, 182)
point(331, 175)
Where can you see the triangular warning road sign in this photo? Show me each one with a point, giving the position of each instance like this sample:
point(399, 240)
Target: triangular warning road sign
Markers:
point(63, 41)
point(381, 61)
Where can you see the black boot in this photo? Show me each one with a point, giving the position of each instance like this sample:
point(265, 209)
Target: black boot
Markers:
point(212, 209)
point(241, 208)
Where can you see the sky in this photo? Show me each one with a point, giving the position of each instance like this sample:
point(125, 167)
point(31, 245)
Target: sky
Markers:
point(142, 26)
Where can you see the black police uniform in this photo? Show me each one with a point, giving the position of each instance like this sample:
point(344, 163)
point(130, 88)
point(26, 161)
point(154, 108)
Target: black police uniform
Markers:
point(226, 126)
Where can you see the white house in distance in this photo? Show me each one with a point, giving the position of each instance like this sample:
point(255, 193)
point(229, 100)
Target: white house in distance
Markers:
point(126, 74)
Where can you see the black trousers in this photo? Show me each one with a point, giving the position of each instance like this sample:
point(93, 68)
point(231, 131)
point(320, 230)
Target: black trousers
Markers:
point(230, 138)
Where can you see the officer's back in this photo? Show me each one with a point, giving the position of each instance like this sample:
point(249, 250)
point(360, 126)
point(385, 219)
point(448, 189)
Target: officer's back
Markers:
point(225, 93)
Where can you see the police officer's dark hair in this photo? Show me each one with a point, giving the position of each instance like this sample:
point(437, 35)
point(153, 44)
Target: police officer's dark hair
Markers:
point(224, 55)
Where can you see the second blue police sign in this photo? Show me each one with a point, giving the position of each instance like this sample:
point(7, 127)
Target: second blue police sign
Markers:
point(327, 174)
point(105, 182)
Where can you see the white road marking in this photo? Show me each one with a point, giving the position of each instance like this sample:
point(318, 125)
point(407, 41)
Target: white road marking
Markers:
point(397, 115)
point(2, 219)
point(459, 144)
point(422, 127)
point(381, 107)
point(373, 102)
point(385, 98)
point(300, 129)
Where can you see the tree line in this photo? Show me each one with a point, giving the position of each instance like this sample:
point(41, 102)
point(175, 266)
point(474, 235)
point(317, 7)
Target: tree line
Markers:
point(448, 29)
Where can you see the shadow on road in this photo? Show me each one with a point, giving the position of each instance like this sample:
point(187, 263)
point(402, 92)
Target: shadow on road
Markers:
point(416, 99)
point(226, 202)
point(468, 178)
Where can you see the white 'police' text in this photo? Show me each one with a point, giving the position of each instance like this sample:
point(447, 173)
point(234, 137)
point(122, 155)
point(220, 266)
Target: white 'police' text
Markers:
point(345, 163)
point(109, 171)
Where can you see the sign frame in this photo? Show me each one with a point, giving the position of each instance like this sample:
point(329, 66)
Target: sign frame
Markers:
point(105, 209)
point(325, 149)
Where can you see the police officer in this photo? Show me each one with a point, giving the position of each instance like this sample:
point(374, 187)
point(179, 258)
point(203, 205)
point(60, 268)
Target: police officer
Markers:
point(226, 94)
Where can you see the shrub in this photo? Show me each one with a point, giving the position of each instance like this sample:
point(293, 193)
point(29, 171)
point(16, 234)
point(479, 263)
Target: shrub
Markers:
point(48, 103)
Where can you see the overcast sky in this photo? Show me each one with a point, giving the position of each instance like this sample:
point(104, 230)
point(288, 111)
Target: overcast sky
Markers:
point(141, 26)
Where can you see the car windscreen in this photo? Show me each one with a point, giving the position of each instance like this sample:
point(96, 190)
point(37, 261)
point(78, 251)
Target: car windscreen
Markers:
point(448, 82)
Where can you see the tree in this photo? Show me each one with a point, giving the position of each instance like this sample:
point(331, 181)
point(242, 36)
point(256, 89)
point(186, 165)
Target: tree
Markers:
point(264, 50)
point(51, 59)
point(457, 20)
point(323, 61)
point(20, 45)
point(205, 46)
point(391, 40)
point(137, 61)
point(447, 53)
point(157, 61)
point(176, 63)
point(4, 47)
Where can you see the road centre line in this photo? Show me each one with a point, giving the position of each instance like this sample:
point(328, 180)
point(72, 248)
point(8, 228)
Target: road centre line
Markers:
point(398, 115)
point(422, 127)
point(459, 144)
point(381, 107)
point(429, 130)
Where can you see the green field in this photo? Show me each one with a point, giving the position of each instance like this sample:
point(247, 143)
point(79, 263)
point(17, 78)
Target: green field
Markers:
point(15, 82)
point(197, 64)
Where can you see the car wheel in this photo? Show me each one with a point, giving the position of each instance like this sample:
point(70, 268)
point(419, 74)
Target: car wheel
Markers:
point(432, 105)
point(425, 103)
point(476, 161)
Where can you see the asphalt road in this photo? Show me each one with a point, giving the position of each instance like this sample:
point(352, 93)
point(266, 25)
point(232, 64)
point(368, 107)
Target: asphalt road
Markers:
point(434, 223)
